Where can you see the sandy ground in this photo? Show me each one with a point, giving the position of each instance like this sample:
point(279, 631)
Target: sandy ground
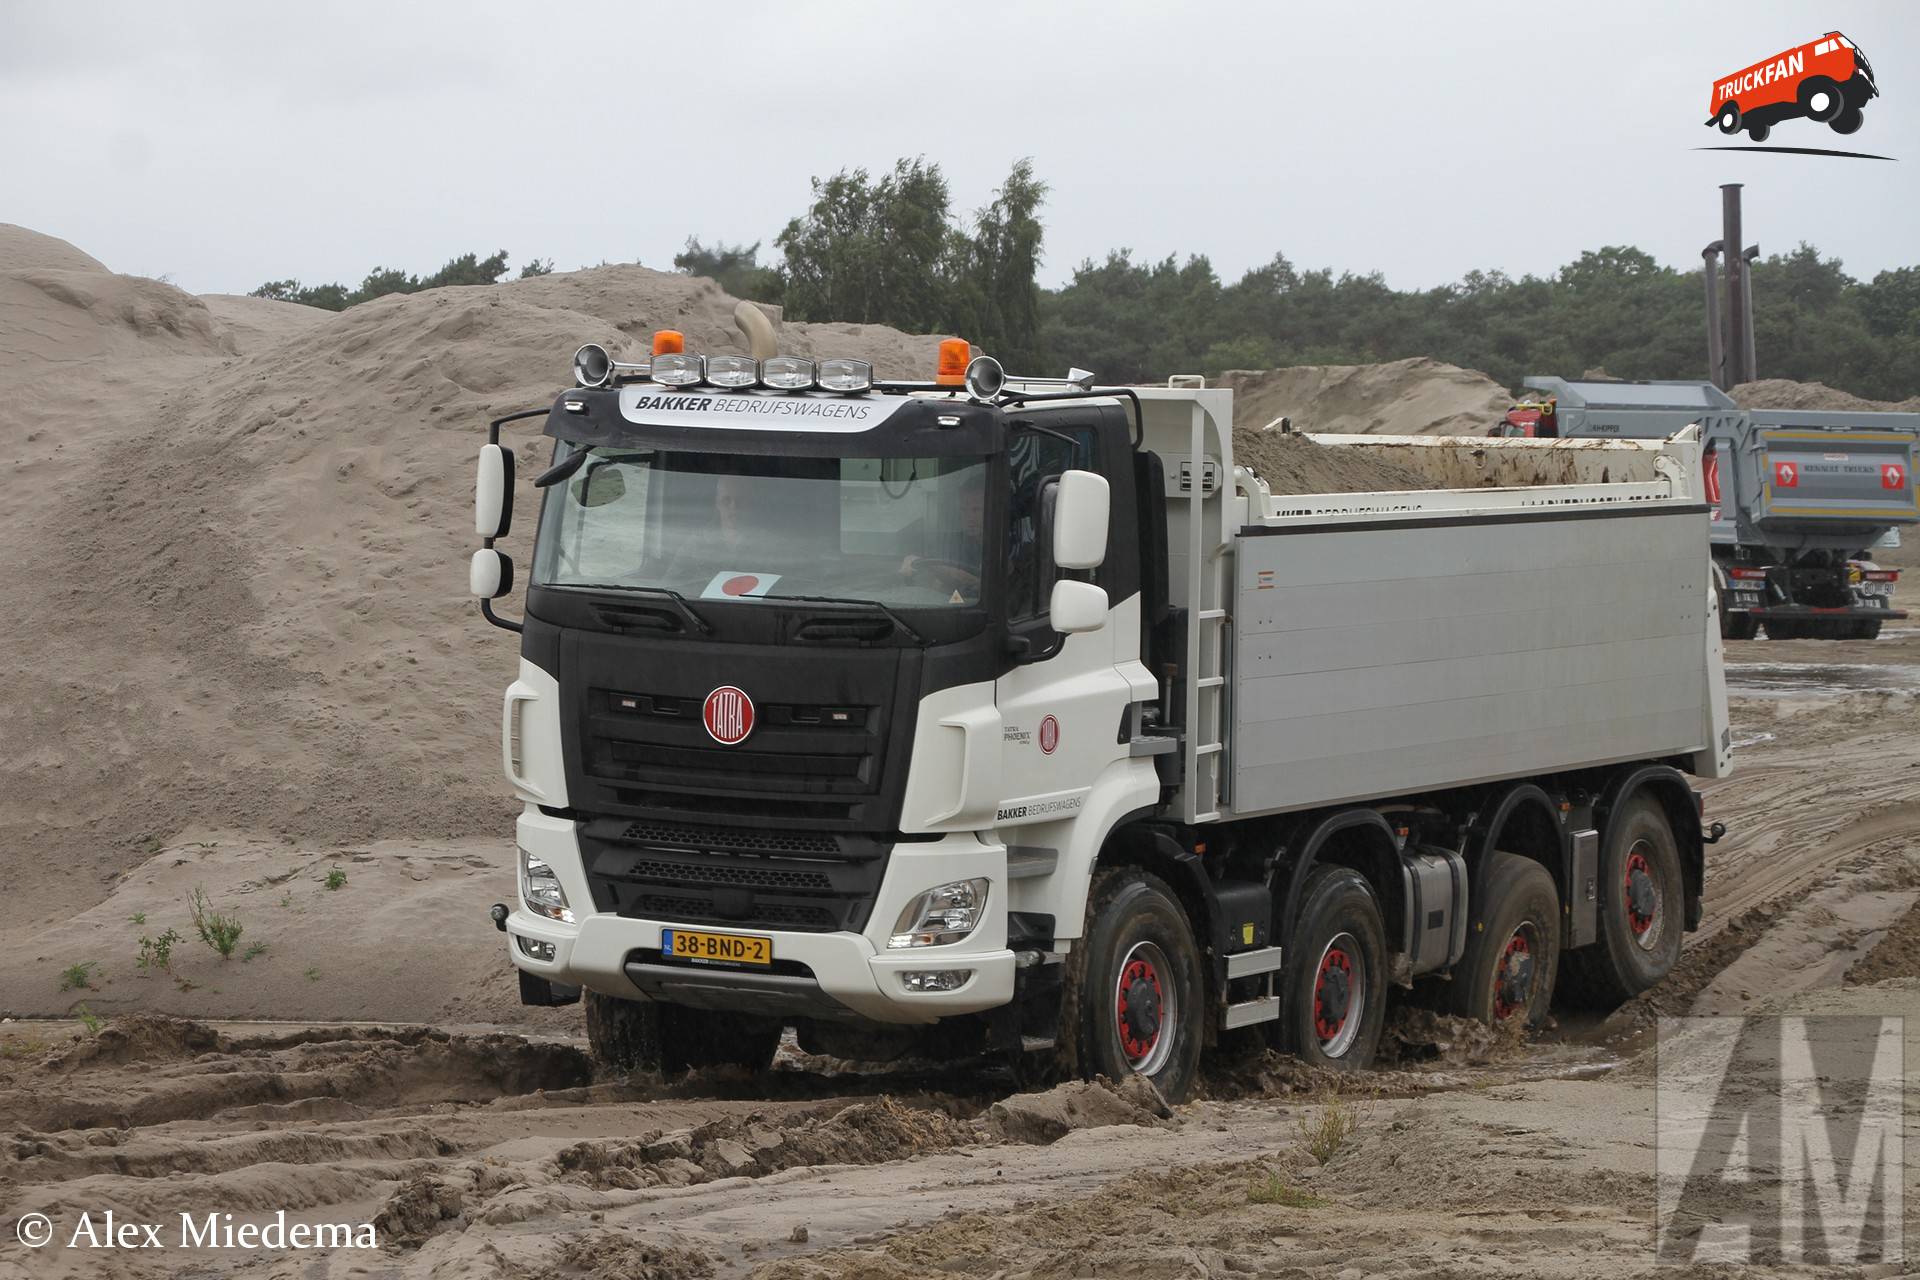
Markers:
point(481, 1151)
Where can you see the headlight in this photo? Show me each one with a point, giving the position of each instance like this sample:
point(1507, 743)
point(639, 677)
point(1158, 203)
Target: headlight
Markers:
point(939, 916)
point(540, 890)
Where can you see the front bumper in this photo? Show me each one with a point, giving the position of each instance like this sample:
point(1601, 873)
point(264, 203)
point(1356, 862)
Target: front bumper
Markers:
point(841, 974)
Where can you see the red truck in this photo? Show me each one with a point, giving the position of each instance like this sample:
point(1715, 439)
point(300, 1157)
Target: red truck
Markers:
point(1827, 80)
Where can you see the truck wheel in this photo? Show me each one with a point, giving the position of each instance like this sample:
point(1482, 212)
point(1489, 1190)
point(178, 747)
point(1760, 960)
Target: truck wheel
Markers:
point(1786, 629)
point(1509, 969)
point(1136, 992)
point(1738, 625)
point(1866, 629)
point(1758, 131)
point(622, 1035)
point(1642, 900)
point(692, 1038)
point(1820, 98)
point(1848, 121)
point(1729, 118)
point(1334, 993)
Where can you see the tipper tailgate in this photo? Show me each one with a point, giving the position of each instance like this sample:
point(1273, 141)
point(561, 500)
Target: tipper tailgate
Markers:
point(1863, 477)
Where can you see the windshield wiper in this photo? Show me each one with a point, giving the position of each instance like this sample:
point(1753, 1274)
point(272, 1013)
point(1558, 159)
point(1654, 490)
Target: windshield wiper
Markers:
point(705, 628)
point(893, 617)
point(560, 470)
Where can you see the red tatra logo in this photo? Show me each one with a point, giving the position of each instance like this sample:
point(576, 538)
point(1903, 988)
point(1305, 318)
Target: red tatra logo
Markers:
point(1786, 475)
point(1049, 734)
point(728, 715)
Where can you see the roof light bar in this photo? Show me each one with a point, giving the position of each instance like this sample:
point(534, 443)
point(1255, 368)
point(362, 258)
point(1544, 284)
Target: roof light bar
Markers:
point(732, 371)
point(679, 370)
point(786, 373)
point(845, 375)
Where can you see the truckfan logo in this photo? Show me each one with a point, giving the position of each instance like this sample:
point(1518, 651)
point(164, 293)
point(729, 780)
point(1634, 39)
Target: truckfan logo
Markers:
point(1786, 475)
point(728, 715)
point(1826, 81)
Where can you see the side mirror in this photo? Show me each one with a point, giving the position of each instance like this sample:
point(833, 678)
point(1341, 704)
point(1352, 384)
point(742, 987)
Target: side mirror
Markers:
point(489, 574)
point(1076, 606)
point(493, 492)
point(1080, 510)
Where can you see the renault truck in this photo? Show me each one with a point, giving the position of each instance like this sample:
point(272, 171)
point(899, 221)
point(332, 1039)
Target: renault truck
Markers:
point(979, 715)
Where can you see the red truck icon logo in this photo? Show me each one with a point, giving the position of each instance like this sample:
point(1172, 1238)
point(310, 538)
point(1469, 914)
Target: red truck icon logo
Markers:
point(1826, 80)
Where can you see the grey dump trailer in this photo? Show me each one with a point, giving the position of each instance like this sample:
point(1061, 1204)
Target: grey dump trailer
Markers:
point(1016, 715)
point(1800, 498)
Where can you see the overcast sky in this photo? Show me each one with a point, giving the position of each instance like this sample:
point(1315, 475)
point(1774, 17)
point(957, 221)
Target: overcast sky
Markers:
point(226, 144)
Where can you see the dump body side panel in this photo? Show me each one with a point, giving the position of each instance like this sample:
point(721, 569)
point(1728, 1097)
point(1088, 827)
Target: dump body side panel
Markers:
point(1393, 657)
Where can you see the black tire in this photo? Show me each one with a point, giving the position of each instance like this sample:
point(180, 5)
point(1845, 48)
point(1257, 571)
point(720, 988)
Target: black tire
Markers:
point(1786, 629)
point(622, 1035)
point(1758, 131)
point(1848, 121)
point(1738, 625)
point(1642, 910)
point(1866, 629)
point(1510, 966)
point(1333, 999)
point(1137, 995)
point(642, 1035)
point(1832, 100)
point(694, 1038)
point(1729, 118)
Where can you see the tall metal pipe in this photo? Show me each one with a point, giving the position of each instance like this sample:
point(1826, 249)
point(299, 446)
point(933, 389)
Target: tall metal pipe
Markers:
point(1746, 286)
point(1716, 369)
point(1730, 242)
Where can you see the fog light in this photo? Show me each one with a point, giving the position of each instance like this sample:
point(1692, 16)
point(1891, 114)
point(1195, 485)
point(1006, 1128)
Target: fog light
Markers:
point(678, 370)
point(941, 915)
point(786, 373)
point(935, 979)
point(539, 950)
point(845, 375)
point(540, 889)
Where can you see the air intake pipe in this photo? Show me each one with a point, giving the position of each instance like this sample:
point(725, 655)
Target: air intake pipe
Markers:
point(757, 329)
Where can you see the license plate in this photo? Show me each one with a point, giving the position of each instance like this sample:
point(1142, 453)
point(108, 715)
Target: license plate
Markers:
point(729, 948)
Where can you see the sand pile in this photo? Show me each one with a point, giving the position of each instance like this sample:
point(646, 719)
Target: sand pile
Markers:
point(59, 307)
point(1290, 463)
point(237, 582)
point(1403, 397)
point(1784, 393)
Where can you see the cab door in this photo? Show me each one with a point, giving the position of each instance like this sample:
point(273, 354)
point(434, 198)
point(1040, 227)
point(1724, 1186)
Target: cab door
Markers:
point(1063, 703)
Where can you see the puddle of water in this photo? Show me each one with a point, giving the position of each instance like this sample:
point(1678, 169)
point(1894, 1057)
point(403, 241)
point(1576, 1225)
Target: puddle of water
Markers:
point(1777, 679)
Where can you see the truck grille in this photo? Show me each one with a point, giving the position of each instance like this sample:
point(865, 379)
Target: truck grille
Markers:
point(647, 870)
point(807, 761)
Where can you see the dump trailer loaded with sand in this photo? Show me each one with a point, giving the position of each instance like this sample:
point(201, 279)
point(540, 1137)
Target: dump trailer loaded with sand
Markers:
point(965, 712)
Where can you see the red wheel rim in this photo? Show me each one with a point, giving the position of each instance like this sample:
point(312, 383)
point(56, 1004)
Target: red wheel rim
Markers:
point(1513, 976)
point(1339, 995)
point(1642, 898)
point(1145, 1008)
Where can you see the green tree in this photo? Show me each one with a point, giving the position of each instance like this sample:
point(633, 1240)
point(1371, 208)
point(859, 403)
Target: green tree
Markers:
point(735, 268)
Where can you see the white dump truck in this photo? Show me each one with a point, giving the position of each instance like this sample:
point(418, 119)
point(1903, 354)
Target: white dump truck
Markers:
point(989, 715)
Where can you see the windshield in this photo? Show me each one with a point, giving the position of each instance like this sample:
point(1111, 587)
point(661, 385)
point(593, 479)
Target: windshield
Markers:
point(902, 532)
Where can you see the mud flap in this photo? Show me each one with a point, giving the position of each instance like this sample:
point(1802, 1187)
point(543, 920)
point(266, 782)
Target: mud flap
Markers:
point(541, 993)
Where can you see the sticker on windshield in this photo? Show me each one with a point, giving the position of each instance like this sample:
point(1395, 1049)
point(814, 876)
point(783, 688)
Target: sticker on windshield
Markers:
point(734, 583)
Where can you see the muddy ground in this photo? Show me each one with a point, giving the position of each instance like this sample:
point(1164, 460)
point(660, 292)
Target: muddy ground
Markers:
point(484, 1146)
